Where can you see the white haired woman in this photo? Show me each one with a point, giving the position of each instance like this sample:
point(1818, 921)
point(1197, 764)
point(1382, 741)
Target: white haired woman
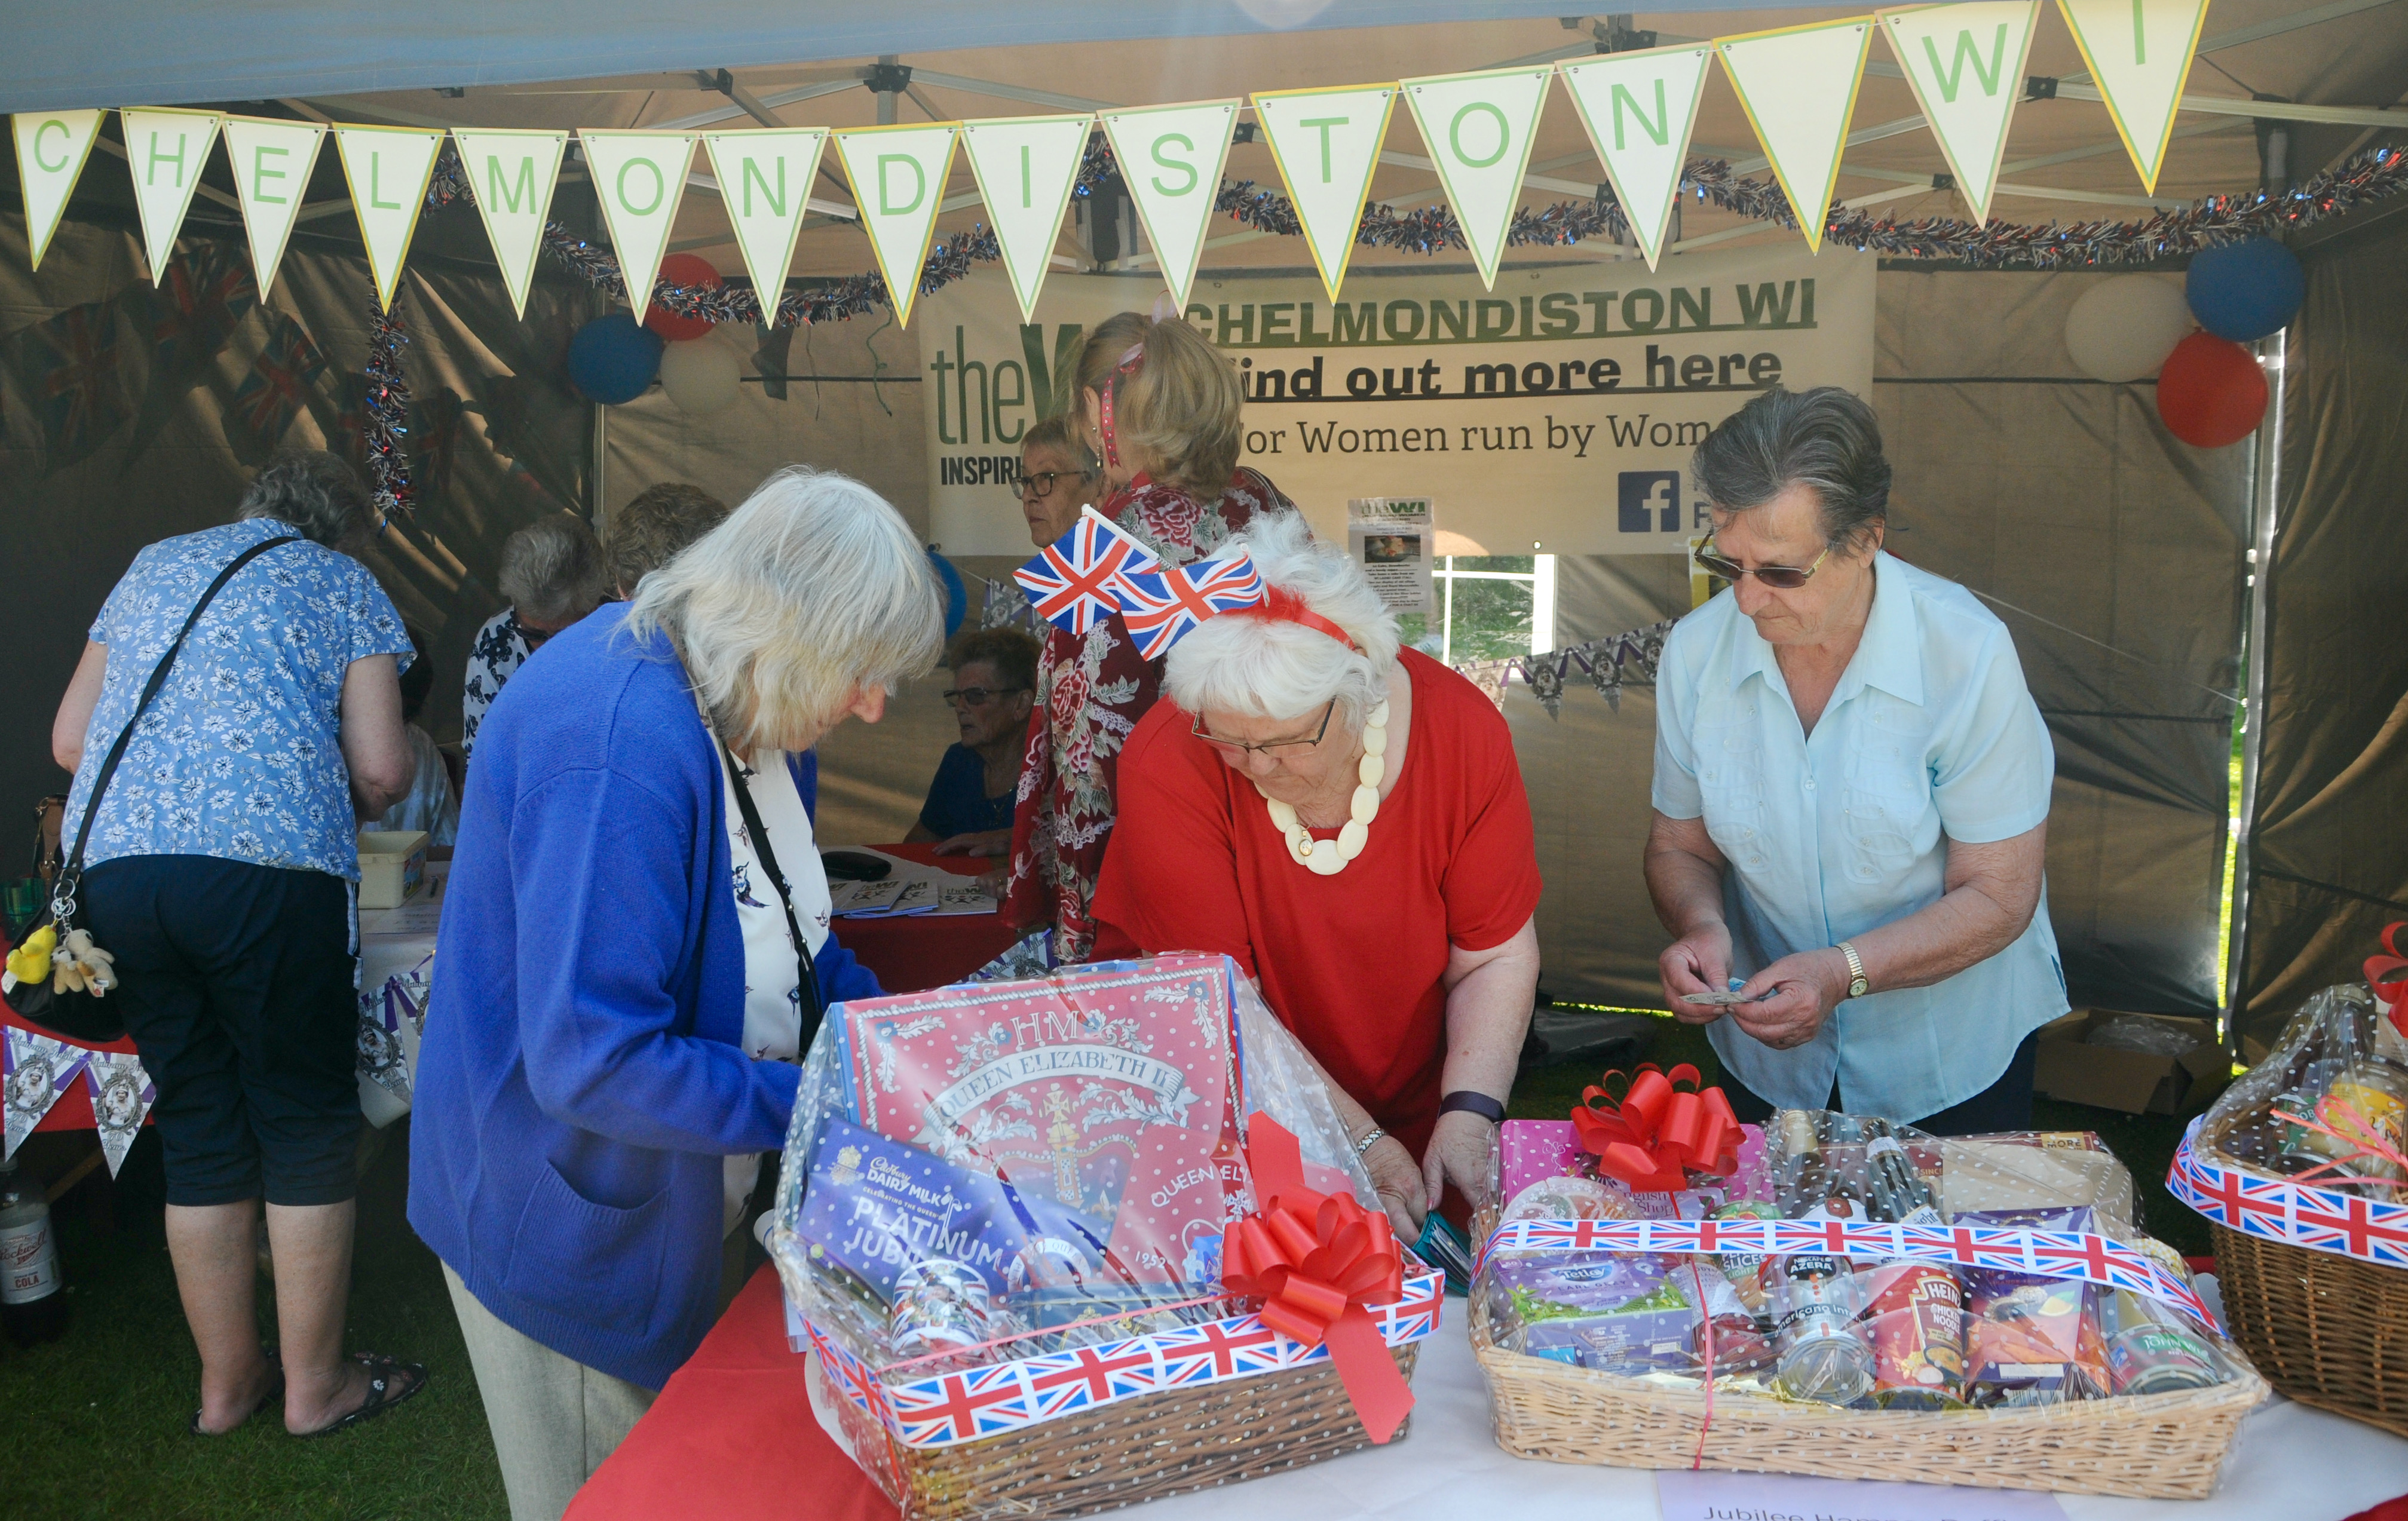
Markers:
point(1347, 820)
point(636, 953)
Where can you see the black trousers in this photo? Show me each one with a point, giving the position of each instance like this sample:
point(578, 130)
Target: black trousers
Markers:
point(240, 992)
point(2004, 1105)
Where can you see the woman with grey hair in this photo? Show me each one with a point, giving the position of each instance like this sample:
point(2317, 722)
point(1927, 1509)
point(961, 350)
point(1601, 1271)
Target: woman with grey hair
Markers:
point(554, 573)
point(1851, 794)
point(220, 871)
point(1346, 819)
point(636, 955)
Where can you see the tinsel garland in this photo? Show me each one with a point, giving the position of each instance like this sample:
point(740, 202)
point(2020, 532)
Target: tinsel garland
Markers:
point(1628, 658)
point(384, 410)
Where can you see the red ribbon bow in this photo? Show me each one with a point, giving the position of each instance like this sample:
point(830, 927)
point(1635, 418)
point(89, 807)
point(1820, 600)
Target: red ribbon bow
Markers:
point(1656, 1128)
point(2387, 975)
point(1318, 1261)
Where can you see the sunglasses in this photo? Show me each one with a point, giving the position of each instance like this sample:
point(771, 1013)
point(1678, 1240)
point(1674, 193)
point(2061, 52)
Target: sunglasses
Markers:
point(977, 697)
point(1786, 578)
point(1274, 748)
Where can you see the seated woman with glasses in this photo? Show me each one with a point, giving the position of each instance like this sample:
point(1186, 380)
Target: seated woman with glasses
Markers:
point(969, 810)
point(1851, 791)
point(1160, 411)
point(1346, 819)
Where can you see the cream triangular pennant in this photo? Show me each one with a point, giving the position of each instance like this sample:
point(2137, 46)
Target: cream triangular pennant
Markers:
point(38, 1070)
point(1326, 144)
point(1639, 108)
point(1799, 86)
point(166, 150)
point(1478, 129)
point(1966, 64)
point(272, 160)
point(1171, 159)
point(898, 176)
point(388, 169)
point(1026, 166)
point(51, 146)
point(122, 1095)
point(2140, 53)
point(765, 181)
point(639, 178)
point(511, 173)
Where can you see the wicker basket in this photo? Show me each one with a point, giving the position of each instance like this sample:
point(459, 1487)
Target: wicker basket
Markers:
point(2328, 1330)
point(1156, 1445)
point(2163, 1446)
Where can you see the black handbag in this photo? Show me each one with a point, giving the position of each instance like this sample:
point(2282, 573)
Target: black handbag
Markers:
point(82, 1016)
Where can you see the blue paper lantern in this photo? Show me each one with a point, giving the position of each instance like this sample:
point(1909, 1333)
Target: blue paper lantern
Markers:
point(2245, 291)
point(613, 358)
point(957, 597)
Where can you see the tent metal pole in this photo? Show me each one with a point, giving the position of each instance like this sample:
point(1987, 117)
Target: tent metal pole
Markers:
point(887, 97)
point(2265, 483)
point(601, 513)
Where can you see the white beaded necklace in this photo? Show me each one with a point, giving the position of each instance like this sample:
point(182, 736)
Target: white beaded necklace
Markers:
point(1328, 857)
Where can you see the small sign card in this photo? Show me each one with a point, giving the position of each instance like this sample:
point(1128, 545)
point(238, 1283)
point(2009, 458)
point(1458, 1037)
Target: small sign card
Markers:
point(1782, 1496)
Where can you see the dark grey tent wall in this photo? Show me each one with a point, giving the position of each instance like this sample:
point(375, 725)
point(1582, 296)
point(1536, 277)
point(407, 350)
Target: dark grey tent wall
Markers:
point(2329, 841)
point(2114, 554)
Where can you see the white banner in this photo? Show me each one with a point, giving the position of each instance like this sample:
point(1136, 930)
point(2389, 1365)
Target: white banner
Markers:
point(897, 175)
point(1326, 144)
point(388, 169)
point(1966, 64)
point(1171, 159)
point(2140, 53)
point(1558, 413)
point(765, 184)
point(639, 178)
point(166, 150)
point(1027, 167)
point(511, 174)
point(272, 160)
point(1798, 87)
point(1639, 108)
point(1478, 129)
point(51, 146)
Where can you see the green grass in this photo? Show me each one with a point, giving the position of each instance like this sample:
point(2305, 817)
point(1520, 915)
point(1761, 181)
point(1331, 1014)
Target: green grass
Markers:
point(96, 1422)
point(2145, 1142)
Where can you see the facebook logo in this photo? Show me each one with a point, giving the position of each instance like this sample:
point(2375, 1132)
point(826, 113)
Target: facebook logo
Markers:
point(1651, 499)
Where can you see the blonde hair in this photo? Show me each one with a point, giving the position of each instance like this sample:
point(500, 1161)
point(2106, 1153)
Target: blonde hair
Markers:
point(811, 588)
point(1276, 670)
point(1179, 416)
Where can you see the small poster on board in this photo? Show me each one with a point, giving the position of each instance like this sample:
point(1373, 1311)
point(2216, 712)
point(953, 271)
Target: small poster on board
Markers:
point(1392, 539)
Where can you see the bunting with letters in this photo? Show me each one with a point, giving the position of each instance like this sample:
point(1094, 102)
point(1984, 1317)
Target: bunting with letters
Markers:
point(51, 147)
point(897, 175)
point(639, 178)
point(272, 160)
point(1171, 159)
point(1326, 144)
point(1478, 129)
point(765, 184)
point(1027, 167)
point(2140, 53)
point(1798, 87)
point(1966, 65)
point(165, 151)
point(388, 169)
point(510, 173)
point(1640, 109)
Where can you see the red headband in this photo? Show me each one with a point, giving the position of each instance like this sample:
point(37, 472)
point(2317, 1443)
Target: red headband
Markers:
point(1129, 366)
point(1279, 605)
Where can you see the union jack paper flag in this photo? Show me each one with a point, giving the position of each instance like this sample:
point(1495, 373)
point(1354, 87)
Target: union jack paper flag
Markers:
point(2281, 1210)
point(1161, 606)
point(1074, 583)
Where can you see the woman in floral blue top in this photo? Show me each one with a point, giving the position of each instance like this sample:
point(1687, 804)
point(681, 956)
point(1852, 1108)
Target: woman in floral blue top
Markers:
point(222, 866)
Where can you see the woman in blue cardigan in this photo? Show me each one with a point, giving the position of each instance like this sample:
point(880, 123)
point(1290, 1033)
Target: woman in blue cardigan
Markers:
point(620, 997)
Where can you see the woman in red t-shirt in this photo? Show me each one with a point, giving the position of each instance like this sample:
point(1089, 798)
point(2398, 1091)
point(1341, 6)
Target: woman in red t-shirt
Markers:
point(1347, 821)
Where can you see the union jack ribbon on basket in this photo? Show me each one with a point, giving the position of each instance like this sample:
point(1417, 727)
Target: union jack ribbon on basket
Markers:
point(1075, 583)
point(947, 1409)
point(2282, 1210)
point(2051, 1253)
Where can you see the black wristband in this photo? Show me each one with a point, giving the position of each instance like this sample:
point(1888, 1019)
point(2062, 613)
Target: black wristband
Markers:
point(1472, 1103)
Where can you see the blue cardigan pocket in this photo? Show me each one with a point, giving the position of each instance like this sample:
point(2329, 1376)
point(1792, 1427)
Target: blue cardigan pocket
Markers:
point(589, 1262)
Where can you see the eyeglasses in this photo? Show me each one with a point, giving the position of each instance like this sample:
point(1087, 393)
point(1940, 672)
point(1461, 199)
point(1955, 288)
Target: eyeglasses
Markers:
point(977, 697)
point(1274, 748)
point(1787, 578)
point(1040, 486)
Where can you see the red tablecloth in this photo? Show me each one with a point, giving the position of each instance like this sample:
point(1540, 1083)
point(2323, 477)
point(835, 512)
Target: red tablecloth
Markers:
point(73, 1109)
point(926, 951)
point(732, 1436)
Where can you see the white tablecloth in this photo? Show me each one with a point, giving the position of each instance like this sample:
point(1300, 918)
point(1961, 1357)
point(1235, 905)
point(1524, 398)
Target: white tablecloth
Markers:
point(396, 962)
point(2291, 1464)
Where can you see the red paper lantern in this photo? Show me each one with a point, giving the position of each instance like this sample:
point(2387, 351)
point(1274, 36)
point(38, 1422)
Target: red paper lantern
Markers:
point(681, 269)
point(2211, 391)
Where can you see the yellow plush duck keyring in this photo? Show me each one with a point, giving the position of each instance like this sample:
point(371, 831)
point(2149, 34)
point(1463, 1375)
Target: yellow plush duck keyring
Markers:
point(31, 961)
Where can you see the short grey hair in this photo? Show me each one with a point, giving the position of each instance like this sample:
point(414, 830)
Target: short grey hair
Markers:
point(1827, 439)
point(552, 570)
point(1276, 670)
point(313, 491)
point(814, 587)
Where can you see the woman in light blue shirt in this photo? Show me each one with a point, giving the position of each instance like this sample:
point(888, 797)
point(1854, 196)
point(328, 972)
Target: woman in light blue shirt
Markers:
point(1851, 794)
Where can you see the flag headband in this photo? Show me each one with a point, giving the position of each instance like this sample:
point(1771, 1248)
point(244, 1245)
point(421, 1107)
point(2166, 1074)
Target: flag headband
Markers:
point(1098, 570)
point(1279, 605)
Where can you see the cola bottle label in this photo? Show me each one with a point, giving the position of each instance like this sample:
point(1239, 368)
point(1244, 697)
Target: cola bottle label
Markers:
point(29, 1264)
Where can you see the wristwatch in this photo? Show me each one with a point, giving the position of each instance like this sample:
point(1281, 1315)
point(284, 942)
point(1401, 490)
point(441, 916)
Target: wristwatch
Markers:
point(1858, 986)
point(1472, 1103)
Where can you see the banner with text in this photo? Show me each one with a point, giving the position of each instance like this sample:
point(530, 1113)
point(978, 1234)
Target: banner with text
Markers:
point(1558, 412)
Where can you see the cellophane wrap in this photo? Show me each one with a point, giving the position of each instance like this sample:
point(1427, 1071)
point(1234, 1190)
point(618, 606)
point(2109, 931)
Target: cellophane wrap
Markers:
point(2339, 1047)
point(1887, 1320)
point(1064, 1151)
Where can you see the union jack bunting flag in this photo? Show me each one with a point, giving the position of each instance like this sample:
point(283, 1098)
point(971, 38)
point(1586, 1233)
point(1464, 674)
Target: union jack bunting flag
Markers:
point(1074, 583)
point(279, 387)
point(1161, 606)
point(70, 370)
point(959, 1406)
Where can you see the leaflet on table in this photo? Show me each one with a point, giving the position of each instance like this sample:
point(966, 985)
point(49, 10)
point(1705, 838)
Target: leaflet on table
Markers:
point(903, 898)
point(1107, 1093)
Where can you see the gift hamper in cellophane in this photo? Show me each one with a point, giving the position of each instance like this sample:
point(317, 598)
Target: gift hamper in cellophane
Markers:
point(1065, 1244)
point(2301, 1170)
point(1853, 1299)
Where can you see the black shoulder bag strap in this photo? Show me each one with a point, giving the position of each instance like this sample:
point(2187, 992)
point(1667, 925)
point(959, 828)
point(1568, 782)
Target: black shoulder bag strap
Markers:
point(814, 1007)
point(71, 875)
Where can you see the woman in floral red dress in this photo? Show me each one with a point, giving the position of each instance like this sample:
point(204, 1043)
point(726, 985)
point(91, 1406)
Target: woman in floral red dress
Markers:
point(1162, 409)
